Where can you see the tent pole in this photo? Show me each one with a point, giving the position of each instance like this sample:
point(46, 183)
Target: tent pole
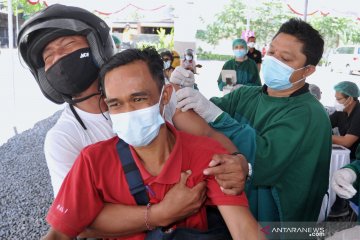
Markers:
point(10, 25)
point(305, 10)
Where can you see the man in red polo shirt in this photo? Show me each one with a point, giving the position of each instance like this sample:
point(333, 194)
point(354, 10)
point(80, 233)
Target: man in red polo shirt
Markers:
point(136, 97)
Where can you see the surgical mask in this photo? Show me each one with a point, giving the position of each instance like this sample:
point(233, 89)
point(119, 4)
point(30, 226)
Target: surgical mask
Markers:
point(73, 73)
point(339, 106)
point(276, 74)
point(239, 53)
point(188, 58)
point(167, 64)
point(140, 127)
point(251, 44)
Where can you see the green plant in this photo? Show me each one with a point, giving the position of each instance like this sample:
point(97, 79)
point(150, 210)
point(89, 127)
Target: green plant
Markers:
point(24, 8)
point(143, 45)
point(203, 55)
point(165, 40)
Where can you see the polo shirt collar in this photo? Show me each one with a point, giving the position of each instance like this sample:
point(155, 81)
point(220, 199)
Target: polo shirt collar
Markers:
point(302, 90)
point(170, 173)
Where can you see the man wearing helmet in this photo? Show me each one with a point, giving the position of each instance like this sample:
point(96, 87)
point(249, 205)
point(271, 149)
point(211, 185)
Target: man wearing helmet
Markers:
point(64, 48)
point(64, 54)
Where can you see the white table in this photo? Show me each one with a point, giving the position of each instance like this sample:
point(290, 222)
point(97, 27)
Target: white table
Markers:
point(340, 156)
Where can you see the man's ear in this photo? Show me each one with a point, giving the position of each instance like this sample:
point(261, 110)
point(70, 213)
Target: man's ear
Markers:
point(167, 93)
point(309, 69)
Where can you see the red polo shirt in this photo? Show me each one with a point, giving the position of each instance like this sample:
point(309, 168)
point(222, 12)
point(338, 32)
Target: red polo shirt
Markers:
point(97, 177)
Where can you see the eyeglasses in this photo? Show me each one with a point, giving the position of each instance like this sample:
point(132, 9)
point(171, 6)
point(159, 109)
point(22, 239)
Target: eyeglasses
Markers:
point(340, 99)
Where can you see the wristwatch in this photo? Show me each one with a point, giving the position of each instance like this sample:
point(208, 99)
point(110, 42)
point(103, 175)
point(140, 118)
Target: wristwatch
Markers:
point(250, 170)
point(249, 165)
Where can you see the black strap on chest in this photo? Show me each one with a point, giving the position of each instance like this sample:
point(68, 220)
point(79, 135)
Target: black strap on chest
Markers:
point(132, 173)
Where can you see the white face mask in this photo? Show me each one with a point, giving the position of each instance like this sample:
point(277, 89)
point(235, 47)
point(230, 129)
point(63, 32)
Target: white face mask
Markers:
point(251, 44)
point(140, 127)
point(339, 106)
point(188, 58)
point(167, 64)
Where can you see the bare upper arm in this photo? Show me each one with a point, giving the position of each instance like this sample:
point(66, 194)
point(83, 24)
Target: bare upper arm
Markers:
point(191, 122)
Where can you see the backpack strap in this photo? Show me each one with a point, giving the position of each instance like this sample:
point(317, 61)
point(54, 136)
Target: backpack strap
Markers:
point(132, 173)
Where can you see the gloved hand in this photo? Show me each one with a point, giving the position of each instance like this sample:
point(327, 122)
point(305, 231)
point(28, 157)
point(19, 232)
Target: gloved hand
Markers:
point(189, 98)
point(342, 182)
point(182, 77)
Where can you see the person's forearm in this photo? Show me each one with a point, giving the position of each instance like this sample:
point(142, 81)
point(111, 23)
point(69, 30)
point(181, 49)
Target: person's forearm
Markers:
point(121, 220)
point(343, 141)
point(241, 223)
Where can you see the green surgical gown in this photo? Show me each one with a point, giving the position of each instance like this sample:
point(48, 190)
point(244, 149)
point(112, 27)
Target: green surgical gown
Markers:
point(288, 142)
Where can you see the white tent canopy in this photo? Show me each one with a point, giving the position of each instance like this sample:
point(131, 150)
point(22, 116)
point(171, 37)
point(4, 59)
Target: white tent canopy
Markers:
point(343, 8)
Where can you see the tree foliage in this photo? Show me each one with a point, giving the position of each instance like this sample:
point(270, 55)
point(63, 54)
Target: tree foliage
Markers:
point(336, 30)
point(24, 9)
point(228, 23)
point(166, 41)
point(267, 17)
point(267, 20)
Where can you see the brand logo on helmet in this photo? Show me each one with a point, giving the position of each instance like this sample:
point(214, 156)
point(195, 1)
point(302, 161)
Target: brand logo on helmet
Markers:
point(86, 54)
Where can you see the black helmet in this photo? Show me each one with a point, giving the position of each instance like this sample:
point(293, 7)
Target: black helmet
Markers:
point(56, 21)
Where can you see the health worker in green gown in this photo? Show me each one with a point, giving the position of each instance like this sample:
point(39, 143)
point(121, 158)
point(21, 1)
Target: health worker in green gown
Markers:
point(289, 147)
point(346, 182)
point(246, 69)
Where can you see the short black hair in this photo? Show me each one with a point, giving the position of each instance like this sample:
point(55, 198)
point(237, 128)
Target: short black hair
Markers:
point(168, 54)
point(149, 55)
point(347, 96)
point(313, 43)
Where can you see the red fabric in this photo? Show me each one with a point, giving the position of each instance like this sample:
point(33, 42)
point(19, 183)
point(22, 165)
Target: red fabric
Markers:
point(97, 177)
point(301, 14)
point(33, 2)
point(129, 5)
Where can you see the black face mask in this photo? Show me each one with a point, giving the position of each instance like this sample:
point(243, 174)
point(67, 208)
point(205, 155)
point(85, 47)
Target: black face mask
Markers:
point(73, 73)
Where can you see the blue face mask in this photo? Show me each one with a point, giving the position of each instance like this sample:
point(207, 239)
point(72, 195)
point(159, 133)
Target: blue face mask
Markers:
point(239, 53)
point(276, 74)
point(167, 64)
point(140, 127)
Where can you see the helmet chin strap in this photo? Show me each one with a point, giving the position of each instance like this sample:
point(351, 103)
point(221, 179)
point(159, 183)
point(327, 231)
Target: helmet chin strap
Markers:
point(77, 100)
point(73, 101)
